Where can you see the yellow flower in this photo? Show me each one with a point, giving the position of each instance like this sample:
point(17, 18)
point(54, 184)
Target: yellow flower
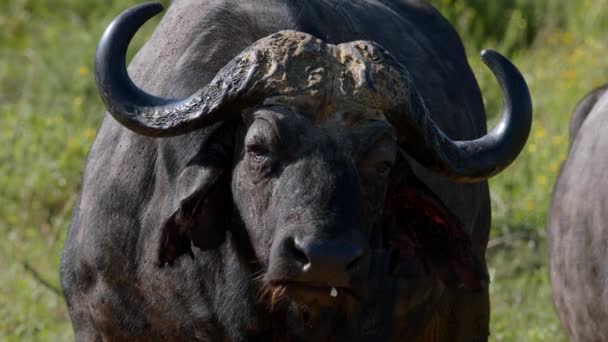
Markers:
point(566, 38)
point(553, 166)
point(83, 71)
point(540, 132)
point(89, 133)
point(77, 103)
point(72, 143)
point(532, 147)
point(529, 205)
point(577, 55)
point(558, 140)
point(568, 75)
point(541, 180)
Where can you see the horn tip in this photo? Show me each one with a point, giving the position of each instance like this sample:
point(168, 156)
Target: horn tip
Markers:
point(155, 6)
point(147, 10)
point(488, 54)
point(151, 6)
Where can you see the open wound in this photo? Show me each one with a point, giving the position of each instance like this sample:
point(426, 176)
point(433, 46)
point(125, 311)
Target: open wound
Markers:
point(424, 237)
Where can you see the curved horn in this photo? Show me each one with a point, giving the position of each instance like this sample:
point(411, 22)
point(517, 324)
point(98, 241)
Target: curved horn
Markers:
point(151, 115)
point(479, 159)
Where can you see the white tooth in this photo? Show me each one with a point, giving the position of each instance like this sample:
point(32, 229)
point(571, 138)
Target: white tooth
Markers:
point(333, 292)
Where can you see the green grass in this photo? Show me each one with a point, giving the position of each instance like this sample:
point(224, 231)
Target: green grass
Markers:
point(49, 113)
point(559, 47)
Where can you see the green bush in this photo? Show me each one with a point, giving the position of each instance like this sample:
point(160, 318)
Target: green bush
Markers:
point(49, 113)
point(559, 46)
point(513, 25)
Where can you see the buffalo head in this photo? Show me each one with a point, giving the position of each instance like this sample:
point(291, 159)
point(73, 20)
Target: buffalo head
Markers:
point(316, 161)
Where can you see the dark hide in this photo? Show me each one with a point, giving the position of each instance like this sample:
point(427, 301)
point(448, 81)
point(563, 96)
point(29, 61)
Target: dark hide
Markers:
point(425, 238)
point(158, 247)
point(577, 228)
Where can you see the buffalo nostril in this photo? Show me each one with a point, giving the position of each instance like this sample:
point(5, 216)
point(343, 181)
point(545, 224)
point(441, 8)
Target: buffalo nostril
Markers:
point(337, 255)
point(297, 253)
point(356, 257)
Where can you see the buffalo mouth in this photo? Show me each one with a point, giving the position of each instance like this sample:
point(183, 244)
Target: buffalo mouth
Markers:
point(323, 294)
point(310, 297)
point(315, 305)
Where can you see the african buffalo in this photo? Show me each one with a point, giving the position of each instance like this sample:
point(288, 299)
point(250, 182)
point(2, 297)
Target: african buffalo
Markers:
point(578, 225)
point(293, 178)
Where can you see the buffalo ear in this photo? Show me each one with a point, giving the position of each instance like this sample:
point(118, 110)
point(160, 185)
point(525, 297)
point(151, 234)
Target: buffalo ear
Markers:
point(200, 213)
point(423, 236)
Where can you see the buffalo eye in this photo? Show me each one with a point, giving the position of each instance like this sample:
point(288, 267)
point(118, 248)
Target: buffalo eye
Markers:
point(383, 168)
point(260, 142)
point(258, 152)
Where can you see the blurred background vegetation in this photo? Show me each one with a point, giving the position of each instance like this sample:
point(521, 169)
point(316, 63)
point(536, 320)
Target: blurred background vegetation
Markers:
point(50, 111)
